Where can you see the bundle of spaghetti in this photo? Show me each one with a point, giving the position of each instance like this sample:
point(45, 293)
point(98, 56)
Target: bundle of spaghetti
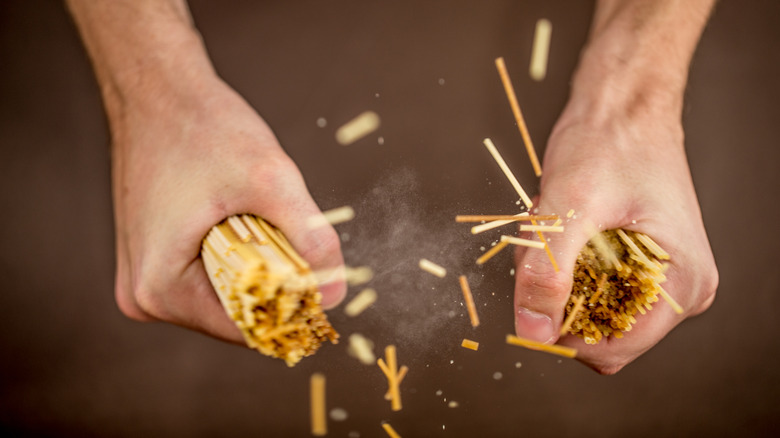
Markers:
point(606, 295)
point(266, 288)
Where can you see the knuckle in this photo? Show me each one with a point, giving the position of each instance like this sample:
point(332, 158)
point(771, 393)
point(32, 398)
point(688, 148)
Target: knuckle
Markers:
point(273, 172)
point(543, 283)
point(710, 281)
point(128, 306)
point(149, 302)
point(608, 369)
point(609, 366)
point(322, 246)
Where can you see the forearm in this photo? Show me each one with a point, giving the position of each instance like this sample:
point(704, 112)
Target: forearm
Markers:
point(141, 50)
point(637, 56)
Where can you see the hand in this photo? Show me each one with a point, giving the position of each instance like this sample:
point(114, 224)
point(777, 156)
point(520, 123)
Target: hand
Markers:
point(621, 169)
point(185, 158)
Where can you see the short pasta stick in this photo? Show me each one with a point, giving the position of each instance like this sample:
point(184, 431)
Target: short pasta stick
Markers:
point(471, 345)
point(491, 252)
point(361, 302)
point(401, 374)
point(510, 94)
point(464, 285)
point(333, 216)
point(504, 217)
point(543, 228)
point(493, 224)
point(432, 268)
point(510, 176)
point(541, 50)
point(361, 348)
point(538, 346)
point(390, 370)
point(523, 242)
point(390, 431)
point(357, 128)
point(319, 425)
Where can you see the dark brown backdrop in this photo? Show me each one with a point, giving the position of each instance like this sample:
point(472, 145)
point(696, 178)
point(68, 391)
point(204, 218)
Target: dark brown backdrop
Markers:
point(72, 365)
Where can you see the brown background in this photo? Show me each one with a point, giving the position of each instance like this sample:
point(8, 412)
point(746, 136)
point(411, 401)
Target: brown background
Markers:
point(72, 365)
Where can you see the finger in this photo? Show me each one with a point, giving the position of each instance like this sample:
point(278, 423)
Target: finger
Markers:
point(191, 303)
point(318, 245)
point(541, 292)
point(611, 354)
point(123, 293)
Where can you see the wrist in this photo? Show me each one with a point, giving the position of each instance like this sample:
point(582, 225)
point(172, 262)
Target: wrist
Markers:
point(637, 58)
point(157, 78)
point(609, 84)
point(145, 52)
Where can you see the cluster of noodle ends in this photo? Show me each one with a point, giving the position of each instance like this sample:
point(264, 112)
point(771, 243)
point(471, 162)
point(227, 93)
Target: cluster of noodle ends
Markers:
point(266, 289)
point(618, 273)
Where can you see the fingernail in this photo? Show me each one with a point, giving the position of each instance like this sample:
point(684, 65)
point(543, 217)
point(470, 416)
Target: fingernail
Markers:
point(332, 294)
point(534, 325)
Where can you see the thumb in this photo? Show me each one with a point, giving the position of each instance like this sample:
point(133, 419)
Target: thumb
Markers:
point(294, 212)
point(541, 292)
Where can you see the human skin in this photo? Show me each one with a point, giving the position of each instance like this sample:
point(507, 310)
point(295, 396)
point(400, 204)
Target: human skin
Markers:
point(616, 156)
point(187, 152)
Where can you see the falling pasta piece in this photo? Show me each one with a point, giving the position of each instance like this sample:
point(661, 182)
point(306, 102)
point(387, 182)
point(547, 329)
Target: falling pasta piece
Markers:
point(358, 275)
point(357, 128)
point(432, 268)
point(510, 94)
point(464, 285)
point(507, 172)
point(538, 346)
point(353, 275)
point(361, 302)
point(471, 345)
point(570, 213)
point(505, 217)
point(523, 242)
point(319, 425)
point(544, 228)
point(390, 369)
point(491, 252)
point(400, 378)
point(361, 348)
point(390, 431)
point(333, 217)
point(493, 224)
point(541, 50)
